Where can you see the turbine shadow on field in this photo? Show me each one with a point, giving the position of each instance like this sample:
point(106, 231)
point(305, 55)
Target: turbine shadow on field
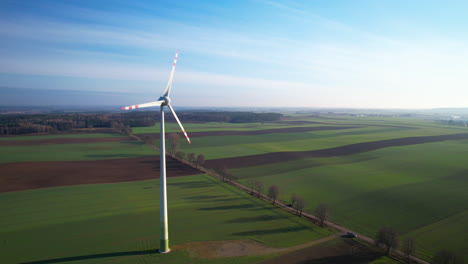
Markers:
point(94, 256)
point(270, 231)
point(229, 207)
point(255, 219)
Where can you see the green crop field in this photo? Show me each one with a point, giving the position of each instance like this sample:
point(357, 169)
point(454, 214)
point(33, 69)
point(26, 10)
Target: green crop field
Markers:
point(217, 126)
point(418, 189)
point(118, 223)
point(74, 152)
point(215, 147)
point(76, 135)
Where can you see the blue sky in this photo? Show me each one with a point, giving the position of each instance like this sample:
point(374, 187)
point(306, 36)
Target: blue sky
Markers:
point(361, 54)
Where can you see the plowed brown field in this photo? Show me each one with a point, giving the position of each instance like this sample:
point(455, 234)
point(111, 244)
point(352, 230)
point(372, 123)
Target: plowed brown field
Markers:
point(33, 175)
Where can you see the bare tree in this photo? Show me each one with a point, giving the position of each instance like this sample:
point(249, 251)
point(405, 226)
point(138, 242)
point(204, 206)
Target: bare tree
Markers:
point(148, 139)
point(258, 187)
point(322, 213)
point(222, 172)
point(180, 155)
point(387, 237)
point(409, 247)
point(446, 257)
point(232, 177)
point(191, 158)
point(200, 160)
point(299, 205)
point(173, 142)
point(293, 199)
point(251, 183)
point(273, 192)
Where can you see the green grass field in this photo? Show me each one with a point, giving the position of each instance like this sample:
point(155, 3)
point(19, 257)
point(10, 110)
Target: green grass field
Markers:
point(418, 189)
point(215, 147)
point(111, 223)
point(73, 152)
point(77, 135)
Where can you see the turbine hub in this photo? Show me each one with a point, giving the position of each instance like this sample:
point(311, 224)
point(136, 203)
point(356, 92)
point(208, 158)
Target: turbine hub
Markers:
point(166, 100)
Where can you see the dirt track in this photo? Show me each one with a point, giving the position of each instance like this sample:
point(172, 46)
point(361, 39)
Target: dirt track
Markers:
point(34, 175)
point(259, 132)
point(78, 140)
point(275, 157)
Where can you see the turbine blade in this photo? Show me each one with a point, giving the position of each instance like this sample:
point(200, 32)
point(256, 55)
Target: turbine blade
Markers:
point(167, 91)
point(180, 124)
point(155, 103)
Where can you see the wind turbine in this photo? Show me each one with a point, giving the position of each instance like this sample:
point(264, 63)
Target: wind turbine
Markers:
point(163, 101)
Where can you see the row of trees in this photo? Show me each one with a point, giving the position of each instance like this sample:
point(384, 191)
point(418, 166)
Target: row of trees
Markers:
point(298, 203)
point(387, 238)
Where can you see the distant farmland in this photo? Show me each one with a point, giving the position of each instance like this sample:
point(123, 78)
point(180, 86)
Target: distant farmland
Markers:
point(418, 187)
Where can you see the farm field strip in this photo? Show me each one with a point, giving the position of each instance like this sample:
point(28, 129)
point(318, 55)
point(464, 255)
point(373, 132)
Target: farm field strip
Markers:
point(210, 127)
point(216, 126)
point(407, 187)
point(263, 131)
point(32, 175)
point(67, 140)
point(271, 157)
point(215, 147)
point(452, 227)
point(80, 222)
point(74, 152)
point(71, 135)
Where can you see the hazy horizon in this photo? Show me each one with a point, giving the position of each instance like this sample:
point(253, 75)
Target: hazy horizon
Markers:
point(259, 53)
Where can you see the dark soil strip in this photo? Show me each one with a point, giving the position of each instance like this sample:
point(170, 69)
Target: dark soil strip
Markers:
point(260, 132)
point(275, 157)
point(33, 175)
point(62, 141)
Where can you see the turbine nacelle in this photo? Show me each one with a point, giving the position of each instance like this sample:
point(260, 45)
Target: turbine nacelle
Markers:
point(166, 100)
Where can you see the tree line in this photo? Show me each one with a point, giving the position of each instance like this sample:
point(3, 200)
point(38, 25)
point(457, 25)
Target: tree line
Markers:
point(388, 238)
point(55, 123)
point(14, 124)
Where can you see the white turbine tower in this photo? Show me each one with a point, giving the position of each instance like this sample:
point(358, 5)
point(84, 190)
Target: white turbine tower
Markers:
point(164, 100)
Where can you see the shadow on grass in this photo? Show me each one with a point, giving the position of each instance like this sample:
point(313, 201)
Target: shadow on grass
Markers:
point(345, 259)
point(205, 197)
point(229, 207)
point(227, 200)
point(270, 231)
point(115, 156)
point(95, 256)
point(255, 219)
point(132, 142)
point(192, 184)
